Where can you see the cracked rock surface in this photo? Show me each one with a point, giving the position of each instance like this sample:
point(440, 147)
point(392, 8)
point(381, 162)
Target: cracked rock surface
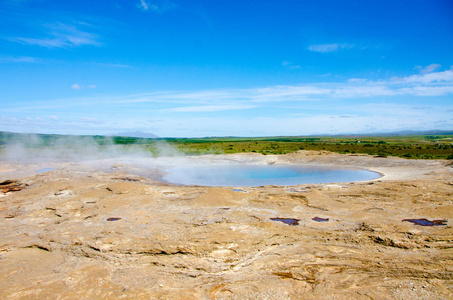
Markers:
point(83, 232)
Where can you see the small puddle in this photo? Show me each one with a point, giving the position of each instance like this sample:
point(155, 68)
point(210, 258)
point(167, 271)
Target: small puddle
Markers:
point(45, 170)
point(426, 222)
point(291, 222)
point(318, 219)
point(113, 219)
point(298, 191)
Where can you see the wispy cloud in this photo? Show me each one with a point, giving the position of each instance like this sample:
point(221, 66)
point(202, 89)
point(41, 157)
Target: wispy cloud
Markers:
point(444, 77)
point(156, 6)
point(61, 35)
point(20, 59)
point(209, 108)
point(421, 85)
point(428, 69)
point(329, 107)
point(328, 48)
point(77, 86)
point(290, 65)
point(111, 65)
point(90, 120)
point(367, 118)
point(143, 5)
point(427, 85)
point(430, 84)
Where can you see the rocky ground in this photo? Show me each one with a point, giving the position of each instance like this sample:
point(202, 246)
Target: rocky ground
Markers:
point(109, 230)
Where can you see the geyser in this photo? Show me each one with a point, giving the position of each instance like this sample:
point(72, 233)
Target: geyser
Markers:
point(259, 175)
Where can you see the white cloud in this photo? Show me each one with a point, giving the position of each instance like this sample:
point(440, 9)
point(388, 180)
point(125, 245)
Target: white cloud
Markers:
point(115, 65)
point(156, 6)
point(358, 80)
point(60, 35)
point(290, 65)
point(77, 86)
point(428, 69)
point(328, 48)
point(355, 105)
point(90, 120)
point(319, 123)
point(427, 78)
point(143, 5)
point(428, 91)
point(209, 108)
point(20, 59)
point(367, 90)
point(428, 85)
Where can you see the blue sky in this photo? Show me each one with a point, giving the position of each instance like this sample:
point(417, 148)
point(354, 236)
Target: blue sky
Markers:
point(226, 68)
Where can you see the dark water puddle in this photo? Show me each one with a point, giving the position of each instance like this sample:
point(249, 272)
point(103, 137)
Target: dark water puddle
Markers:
point(239, 190)
point(45, 170)
point(291, 222)
point(426, 222)
point(113, 219)
point(298, 191)
point(318, 219)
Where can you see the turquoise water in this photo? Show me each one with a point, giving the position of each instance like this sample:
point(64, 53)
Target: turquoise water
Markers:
point(45, 170)
point(258, 175)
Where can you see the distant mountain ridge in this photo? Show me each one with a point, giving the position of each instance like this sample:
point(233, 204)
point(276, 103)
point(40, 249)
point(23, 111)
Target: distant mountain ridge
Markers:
point(136, 134)
point(5, 135)
point(398, 133)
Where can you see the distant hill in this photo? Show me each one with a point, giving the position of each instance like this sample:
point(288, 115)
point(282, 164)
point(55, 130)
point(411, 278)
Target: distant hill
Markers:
point(426, 132)
point(6, 137)
point(399, 133)
point(136, 134)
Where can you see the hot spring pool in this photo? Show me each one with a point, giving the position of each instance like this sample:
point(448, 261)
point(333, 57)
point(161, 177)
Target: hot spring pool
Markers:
point(258, 175)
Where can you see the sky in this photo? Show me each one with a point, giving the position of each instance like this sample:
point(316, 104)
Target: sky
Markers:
point(226, 68)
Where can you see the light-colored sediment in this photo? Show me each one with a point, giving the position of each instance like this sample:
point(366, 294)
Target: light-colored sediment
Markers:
point(177, 242)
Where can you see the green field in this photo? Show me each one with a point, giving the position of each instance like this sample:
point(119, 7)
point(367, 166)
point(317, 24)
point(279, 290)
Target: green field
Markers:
point(427, 147)
point(438, 146)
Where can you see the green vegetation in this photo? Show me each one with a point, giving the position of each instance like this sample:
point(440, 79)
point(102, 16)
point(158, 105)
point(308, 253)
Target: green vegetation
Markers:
point(415, 147)
point(438, 146)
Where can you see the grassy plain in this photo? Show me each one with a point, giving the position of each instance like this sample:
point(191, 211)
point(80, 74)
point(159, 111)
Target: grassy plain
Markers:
point(434, 146)
point(426, 147)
